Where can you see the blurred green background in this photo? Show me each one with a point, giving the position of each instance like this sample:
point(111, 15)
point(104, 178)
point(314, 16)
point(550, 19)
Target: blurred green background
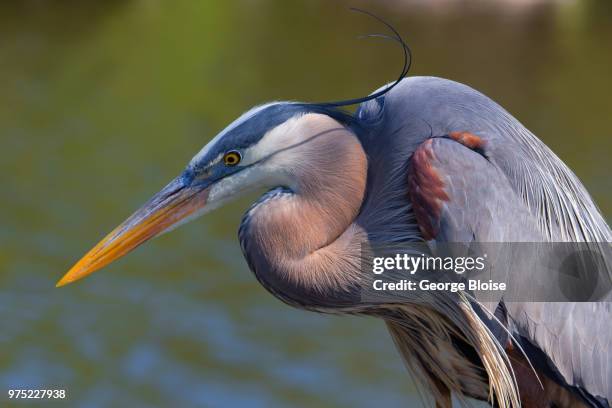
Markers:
point(103, 102)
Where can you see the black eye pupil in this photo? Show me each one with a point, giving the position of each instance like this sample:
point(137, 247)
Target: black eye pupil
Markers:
point(232, 158)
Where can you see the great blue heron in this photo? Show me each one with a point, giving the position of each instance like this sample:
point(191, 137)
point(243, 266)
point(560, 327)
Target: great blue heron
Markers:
point(422, 159)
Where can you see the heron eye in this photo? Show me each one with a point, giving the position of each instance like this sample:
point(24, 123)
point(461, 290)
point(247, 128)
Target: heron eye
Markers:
point(232, 158)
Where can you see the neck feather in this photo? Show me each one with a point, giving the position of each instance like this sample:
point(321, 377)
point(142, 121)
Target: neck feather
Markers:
point(302, 242)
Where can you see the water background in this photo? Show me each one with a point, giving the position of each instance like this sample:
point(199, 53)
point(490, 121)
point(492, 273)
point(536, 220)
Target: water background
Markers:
point(102, 103)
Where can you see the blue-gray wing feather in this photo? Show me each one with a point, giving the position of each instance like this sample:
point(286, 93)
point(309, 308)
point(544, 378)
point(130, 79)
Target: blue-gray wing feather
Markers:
point(517, 190)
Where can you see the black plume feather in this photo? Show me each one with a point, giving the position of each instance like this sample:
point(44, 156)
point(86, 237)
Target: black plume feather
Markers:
point(407, 63)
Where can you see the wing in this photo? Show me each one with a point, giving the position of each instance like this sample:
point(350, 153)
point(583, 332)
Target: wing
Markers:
point(458, 195)
point(498, 183)
point(576, 338)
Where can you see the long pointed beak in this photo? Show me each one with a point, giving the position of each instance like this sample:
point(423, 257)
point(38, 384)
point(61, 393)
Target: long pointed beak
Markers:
point(175, 203)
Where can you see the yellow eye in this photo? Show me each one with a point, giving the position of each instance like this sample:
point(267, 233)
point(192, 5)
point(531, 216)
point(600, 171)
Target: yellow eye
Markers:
point(232, 158)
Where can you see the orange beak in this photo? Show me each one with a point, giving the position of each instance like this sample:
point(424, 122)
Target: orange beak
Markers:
point(175, 203)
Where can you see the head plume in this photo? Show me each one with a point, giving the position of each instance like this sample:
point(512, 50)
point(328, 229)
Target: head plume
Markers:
point(405, 68)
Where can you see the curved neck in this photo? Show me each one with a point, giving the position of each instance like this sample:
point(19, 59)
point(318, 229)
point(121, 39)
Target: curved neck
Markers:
point(302, 240)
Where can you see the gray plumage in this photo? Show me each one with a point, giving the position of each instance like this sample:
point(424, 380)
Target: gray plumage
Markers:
point(520, 191)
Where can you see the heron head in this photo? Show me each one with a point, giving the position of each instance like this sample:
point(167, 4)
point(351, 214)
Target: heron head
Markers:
point(261, 149)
